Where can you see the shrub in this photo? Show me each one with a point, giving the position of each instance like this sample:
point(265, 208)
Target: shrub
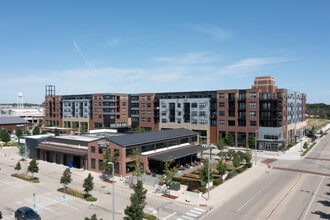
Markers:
point(249, 164)
point(91, 199)
point(231, 174)
point(149, 216)
point(193, 185)
point(240, 170)
point(217, 181)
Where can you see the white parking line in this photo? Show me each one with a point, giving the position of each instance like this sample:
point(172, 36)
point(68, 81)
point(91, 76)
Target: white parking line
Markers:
point(169, 216)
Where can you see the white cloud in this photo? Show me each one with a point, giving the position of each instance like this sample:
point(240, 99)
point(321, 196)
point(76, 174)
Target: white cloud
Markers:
point(189, 72)
point(212, 30)
point(251, 64)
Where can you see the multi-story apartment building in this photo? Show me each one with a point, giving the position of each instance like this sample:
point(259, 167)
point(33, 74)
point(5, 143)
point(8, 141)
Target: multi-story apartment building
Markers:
point(273, 116)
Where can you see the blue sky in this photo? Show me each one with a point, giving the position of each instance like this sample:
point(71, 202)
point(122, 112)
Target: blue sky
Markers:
point(110, 46)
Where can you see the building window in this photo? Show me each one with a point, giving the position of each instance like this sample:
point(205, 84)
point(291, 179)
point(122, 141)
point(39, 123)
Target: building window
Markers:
point(222, 95)
point(253, 123)
point(202, 122)
point(202, 105)
point(194, 105)
point(231, 123)
point(93, 163)
point(222, 122)
point(253, 104)
point(193, 113)
point(193, 121)
point(100, 150)
point(100, 164)
point(253, 95)
point(253, 114)
point(202, 113)
point(221, 104)
point(93, 149)
point(221, 113)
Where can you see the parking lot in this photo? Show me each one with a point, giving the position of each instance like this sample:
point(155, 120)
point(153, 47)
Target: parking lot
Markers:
point(43, 197)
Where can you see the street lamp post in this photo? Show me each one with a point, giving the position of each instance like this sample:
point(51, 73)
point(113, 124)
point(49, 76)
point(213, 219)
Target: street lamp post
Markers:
point(208, 175)
point(34, 201)
point(255, 146)
point(113, 189)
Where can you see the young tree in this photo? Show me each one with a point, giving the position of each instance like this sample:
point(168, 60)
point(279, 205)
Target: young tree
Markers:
point(66, 178)
point(19, 131)
point(18, 166)
point(251, 141)
point(108, 157)
point(230, 139)
point(169, 171)
point(36, 130)
point(222, 167)
point(136, 156)
point(88, 183)
point(4, 136)
point(33, 167)
point(236, 160)
point(204, 173)
point(56, 132)
point(221, 143)
point(135, 210)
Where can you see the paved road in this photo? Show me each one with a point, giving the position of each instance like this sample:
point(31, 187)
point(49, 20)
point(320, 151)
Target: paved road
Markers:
point(292, 189)
point(52, 205)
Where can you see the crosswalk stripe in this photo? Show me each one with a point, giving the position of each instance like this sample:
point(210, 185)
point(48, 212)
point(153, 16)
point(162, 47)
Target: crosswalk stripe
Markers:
point(196, 212)
point(186, 217)
point(191, 214)
point(198, 209)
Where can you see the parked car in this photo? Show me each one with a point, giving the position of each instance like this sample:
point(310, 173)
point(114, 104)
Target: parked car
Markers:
point(26, 213)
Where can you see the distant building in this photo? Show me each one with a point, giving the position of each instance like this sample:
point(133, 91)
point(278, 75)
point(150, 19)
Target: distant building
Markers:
point(274, 116)
point(11, 123)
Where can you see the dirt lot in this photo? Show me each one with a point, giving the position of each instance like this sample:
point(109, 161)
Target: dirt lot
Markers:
point(317, 123)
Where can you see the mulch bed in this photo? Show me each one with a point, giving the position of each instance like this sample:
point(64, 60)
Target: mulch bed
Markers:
point(169, 196)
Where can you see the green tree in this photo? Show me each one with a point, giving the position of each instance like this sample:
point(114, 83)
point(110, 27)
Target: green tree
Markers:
point(4, 136)
point(18, 166)
point(135, 210)
point(221, 143)
point(66, 178)
point(56, 132)
point(230, 139)
point(33, 167)
point(169, 171)
point(88, 184)
point(236, 160)
point(108, 157)
point(252, 141)
point(221, 167)
point(139, 130)
point(36, 130)
point(136, 156)
point(204, 173)
point(19, 132)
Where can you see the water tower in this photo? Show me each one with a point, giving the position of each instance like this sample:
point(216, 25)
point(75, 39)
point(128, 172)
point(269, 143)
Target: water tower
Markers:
point(20, 100)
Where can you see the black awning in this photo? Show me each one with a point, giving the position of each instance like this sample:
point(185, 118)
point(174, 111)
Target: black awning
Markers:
point(176, 153)
point(65, 151)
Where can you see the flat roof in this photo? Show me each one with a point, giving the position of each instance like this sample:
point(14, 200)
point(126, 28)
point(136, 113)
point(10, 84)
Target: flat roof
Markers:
point(78, 138)
point(9, 120)
point(148, 137)
point(177, 153)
